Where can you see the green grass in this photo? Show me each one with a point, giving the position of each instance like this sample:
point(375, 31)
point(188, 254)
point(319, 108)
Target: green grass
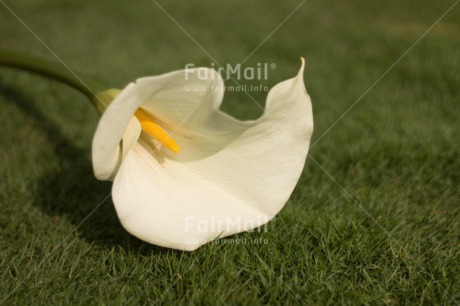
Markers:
point(373, 220)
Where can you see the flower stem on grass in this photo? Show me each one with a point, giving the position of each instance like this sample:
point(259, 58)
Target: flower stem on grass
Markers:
point(93, 90)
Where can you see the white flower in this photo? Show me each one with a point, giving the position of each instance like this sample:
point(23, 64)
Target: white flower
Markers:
point(229, 176)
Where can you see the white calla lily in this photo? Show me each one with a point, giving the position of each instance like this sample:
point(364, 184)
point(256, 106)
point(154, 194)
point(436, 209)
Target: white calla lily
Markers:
point(229, 175)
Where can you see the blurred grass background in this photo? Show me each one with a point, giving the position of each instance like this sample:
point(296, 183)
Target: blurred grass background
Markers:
point(383, 230)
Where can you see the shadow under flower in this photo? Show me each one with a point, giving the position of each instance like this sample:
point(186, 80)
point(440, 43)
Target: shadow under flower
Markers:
point(70, 191)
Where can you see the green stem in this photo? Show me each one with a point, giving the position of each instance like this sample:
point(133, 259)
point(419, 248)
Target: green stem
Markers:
point(54, 71)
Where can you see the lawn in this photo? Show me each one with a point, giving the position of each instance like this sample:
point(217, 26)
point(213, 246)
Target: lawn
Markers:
point(374, 218)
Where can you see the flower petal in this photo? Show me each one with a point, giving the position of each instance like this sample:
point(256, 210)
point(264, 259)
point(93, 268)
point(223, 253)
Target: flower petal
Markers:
point(109, 148)
point(174, 97)
point(226, 170)
point(167, 205)
point(261, 161)
point(164, 93)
